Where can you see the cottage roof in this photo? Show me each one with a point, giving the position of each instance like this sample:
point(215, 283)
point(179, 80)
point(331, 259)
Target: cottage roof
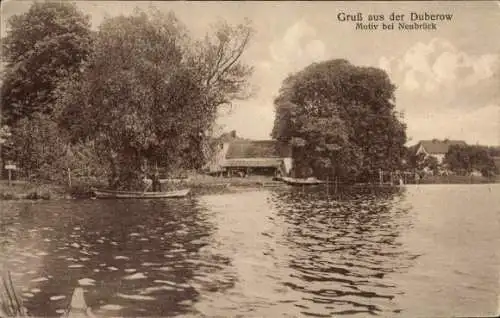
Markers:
point(435, 147)
point(246, 149)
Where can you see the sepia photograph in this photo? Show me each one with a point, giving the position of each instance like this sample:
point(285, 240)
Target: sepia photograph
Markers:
point(249, 158)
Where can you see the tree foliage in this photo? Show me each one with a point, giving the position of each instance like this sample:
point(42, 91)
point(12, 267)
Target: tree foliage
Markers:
point(37, 145)
point(42, 47)
point(340, 120)
point(468, 158)
point(150, 93)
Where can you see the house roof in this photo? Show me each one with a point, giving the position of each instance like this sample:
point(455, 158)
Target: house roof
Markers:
point(434, 147)
point(246, 149)
point(253, 163)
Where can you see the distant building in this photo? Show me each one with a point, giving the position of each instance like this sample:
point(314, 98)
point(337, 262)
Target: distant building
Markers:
point(437, 148)
point(236, 156)
point(269, 157)
point(217, 152)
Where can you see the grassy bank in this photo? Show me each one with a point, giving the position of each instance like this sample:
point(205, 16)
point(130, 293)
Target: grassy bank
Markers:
point(203, 184)
point(458, 180)
point(198, 183)
point(21, 190)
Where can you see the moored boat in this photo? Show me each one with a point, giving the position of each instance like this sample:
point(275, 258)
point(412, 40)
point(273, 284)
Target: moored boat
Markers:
point(302, 181)
point(78, 308)
point(111, 194)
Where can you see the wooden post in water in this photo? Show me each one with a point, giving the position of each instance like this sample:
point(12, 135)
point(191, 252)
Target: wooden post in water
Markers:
point(328, 186)
point(69, 177)
point(380, 176)
point(9, 168)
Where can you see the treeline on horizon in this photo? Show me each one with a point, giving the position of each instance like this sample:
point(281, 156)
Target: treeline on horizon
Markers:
point(105, 105)
point(460, 160)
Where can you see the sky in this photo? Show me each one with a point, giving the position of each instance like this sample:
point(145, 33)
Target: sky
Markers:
point(448, 79)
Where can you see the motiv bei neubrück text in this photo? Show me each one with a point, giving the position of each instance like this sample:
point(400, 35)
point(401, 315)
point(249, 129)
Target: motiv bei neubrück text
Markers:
point(409, 21)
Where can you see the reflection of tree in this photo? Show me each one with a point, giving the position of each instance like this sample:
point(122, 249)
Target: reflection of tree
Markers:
point(345, 247)
point(160, 240)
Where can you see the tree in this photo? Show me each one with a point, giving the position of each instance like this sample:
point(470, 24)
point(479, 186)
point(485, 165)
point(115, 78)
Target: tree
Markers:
point(149, 93)
point(467, 158)
point(341, 116)
point(42, 46)
point(429, 162)
point(37, 145)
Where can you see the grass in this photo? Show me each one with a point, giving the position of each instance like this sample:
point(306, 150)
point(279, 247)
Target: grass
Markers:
point(454, 179)
point(19, 190)
point(205, 184)
point(11, 304)
point(199, 183)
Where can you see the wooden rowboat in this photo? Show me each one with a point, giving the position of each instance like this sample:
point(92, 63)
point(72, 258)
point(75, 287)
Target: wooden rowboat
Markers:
point(110, 194)
point(78, 308)
point(301, 181)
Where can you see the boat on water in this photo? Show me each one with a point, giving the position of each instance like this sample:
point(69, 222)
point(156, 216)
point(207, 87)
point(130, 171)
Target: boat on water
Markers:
point(111, 194)
point(302, 181)
point(78, 308)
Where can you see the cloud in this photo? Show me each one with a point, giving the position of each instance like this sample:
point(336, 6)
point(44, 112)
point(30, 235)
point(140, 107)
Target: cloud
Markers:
point(298, 45)
point(439, 65)
point(478, 126)
point(446, 92)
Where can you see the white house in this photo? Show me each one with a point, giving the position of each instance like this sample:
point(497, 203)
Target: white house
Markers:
point(437, 148)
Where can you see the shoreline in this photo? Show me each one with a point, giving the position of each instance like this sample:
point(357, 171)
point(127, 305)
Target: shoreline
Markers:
point(204, 185)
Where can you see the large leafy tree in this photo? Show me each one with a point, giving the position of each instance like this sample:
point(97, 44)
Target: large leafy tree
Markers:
point(466, 158)
point(150, 94)
point(340, 120)
point(42, 46)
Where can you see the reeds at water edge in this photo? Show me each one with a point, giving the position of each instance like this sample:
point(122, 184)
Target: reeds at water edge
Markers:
point(10, 303)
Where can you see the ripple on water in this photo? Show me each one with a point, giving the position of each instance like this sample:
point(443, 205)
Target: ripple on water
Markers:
point(86, 282)
point(322, 258)
point(148, 264)
point(135, 276)
point(150, 290)
point(135, 297)
point(111, 307)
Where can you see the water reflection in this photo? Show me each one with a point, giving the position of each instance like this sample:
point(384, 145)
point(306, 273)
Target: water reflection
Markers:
point(343, 249)
point(266, 253)
point(133, 257)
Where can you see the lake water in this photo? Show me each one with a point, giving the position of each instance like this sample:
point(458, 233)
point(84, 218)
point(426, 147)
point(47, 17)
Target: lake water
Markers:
point(424, 251)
